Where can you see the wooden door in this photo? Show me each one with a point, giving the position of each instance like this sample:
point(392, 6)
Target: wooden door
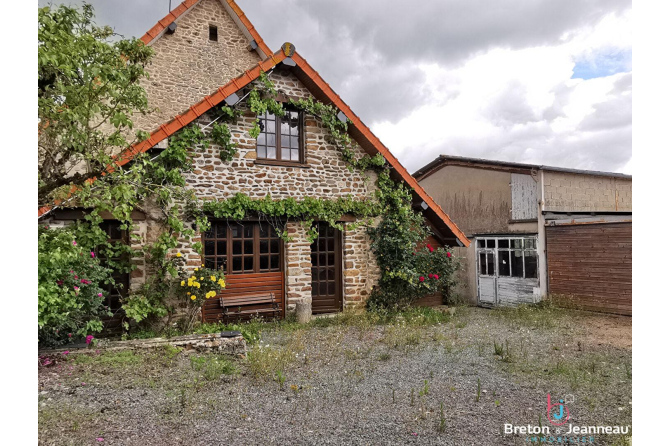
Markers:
point(327, 270)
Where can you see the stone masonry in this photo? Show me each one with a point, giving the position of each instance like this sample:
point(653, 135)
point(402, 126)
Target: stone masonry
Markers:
point(187, 66)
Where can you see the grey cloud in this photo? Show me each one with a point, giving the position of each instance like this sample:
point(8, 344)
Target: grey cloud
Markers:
point(510, 107)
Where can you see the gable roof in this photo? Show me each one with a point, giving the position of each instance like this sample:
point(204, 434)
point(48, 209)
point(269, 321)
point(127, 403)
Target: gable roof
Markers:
point(235, 12)
point(453, 160)
point(317, 87)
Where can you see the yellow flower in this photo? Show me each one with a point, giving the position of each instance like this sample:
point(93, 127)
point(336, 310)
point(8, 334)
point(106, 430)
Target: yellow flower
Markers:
point(201, 278)
point(212, 278)
point(188, 293)
point(202, 264)
point(182, 283)
point(197, 285)
point(193, 297)
point(179, 254)
point(196, 269)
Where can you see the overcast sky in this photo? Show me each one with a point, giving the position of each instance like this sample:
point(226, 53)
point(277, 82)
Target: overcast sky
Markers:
point(536, 81)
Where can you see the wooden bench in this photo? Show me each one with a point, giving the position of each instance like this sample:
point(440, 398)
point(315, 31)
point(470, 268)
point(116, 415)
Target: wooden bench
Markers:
point(242, 305)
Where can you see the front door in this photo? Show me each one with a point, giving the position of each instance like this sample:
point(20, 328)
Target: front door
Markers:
point(327, 270)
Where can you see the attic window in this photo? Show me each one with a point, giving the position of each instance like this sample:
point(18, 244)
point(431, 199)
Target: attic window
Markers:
point(213, 33)
point(280, 137)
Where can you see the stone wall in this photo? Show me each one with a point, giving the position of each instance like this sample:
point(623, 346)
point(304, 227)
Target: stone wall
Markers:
point(572, 192)
point(187, 66)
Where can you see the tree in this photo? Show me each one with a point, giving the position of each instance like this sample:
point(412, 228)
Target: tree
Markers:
point(88, 90)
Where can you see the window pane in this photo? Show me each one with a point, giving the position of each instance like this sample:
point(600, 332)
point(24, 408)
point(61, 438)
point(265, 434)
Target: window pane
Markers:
point(221, 247)
point(265, 262)
point(531, 265)
point(274, 262)
point(221, 263)
point(248, 246)
point(261, 152)
point(517, 263)
point(264, 247)
point(517, 243)
point(237, 264)
point(323, 288)
point(503, 243)
point(210, 262)
point(490, 265)
point(294, 142)
point(331, 288)
point(481, 243)
point(260, 141)
point(285, 140)
point(503, 263)
point(237, 247)
point(248, 263)
point(274, 246)
point(209, 247)
point(491, 243)
point(270, 116)
point(264, 229)
point(271, 140)
point(285, 128)
point(236, 231)
point(295, 155)
point(272, 153)
point(482, 263)
point(529, 243)
point(249, 230)
point(221, 230)
point(286, 154)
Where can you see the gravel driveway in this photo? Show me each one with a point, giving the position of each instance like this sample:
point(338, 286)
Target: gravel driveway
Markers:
point(457, 382)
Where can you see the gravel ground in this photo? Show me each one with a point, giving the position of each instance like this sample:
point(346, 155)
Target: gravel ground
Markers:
point(353, 384)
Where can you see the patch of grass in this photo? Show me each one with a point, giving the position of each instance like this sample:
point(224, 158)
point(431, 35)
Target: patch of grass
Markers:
point(542, 315)
point(384, 356)
point(443, 421)
point(112, 359)
point(212, 366)
point(265, 361)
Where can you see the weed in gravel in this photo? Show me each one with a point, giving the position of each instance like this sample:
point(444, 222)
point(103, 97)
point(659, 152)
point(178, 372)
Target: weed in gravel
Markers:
point(497, 349)
point(461, 324)
point(384, 356)
point(479, 390)
point(411, 397)
point(119, 359)
point(280, 378)
point(424, 391)
point(393, 396)
point(212, 366)
point(443, 421)
point(542, 315)
point(264, 361)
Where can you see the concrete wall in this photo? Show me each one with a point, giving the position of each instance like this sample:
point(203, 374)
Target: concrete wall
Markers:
point(572, 192)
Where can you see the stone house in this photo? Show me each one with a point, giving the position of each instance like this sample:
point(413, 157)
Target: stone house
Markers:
point(207, 53)
point(538, 231)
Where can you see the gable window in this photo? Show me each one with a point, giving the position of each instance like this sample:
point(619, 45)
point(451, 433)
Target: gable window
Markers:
point(280, 137)
point(213, 33)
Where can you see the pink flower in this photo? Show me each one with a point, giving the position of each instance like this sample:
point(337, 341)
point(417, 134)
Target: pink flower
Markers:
point(76, 277)
point(421, 279)
point(448, 254)
point(435, 276)
point(69, 335)
point(60, 282)
point(89, 338)
point(99, 294)
point(76, 288)
point(74, 243)
point(430, 276)
point(92, 254)
point(99, 439)
point(66, 352)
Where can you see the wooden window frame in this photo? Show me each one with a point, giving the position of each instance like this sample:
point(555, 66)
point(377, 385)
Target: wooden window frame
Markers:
point(301, 162)
point(256, 241)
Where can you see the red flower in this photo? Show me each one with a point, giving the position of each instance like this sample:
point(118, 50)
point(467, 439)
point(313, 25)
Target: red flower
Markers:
point(430, 276)
point(436, 277)
point(448, 254)
point(421, 279)
point(430, 248)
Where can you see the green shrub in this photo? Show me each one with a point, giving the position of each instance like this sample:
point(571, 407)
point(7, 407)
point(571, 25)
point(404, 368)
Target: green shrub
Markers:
point(70, 294)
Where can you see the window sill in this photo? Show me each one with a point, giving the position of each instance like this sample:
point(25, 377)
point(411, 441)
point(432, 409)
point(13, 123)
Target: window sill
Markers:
point(267, 162)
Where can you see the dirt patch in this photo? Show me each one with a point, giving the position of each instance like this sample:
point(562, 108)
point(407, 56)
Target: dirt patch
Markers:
point(616, 331)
